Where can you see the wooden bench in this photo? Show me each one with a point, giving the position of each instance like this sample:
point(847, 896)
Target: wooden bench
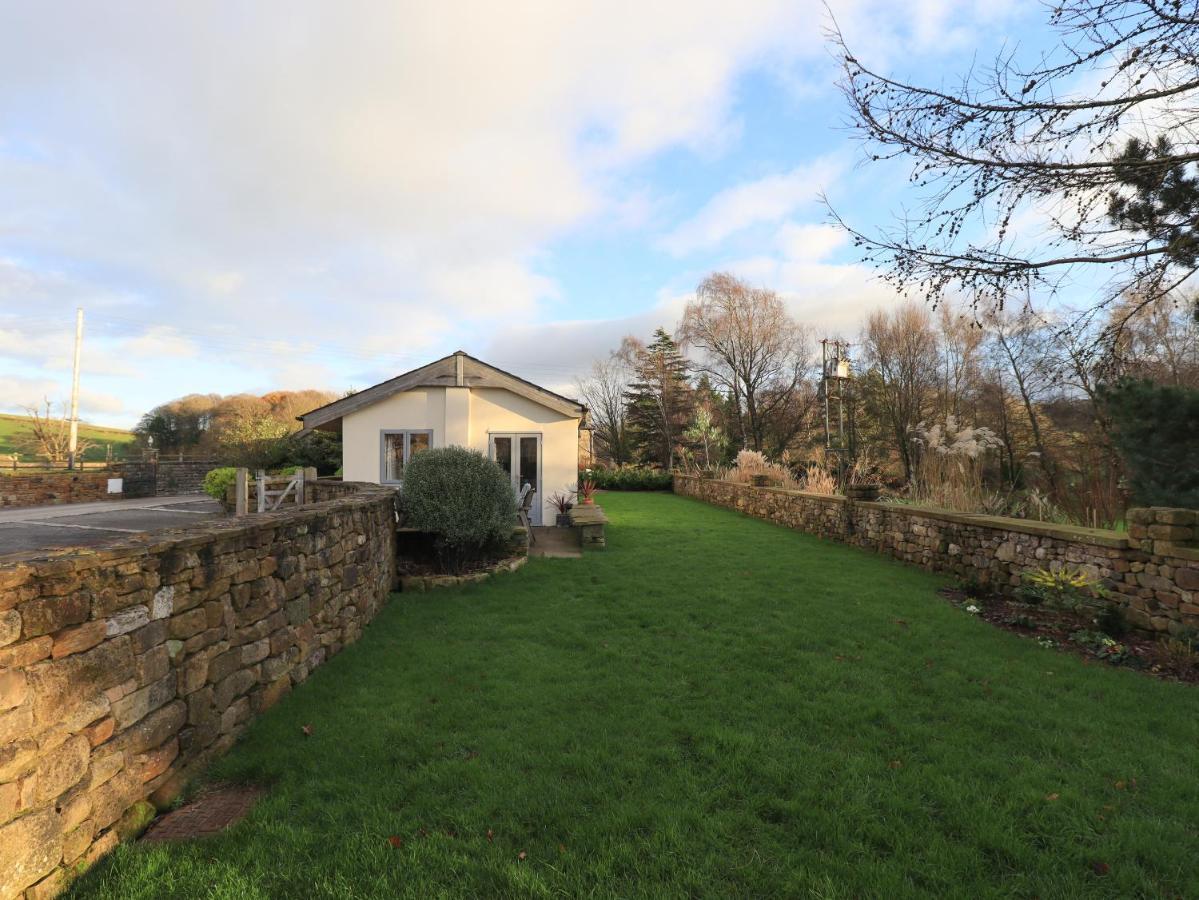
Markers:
point(590, 520)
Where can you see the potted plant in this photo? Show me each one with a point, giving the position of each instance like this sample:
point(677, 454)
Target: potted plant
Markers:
point(587, 492)
point(561, 501)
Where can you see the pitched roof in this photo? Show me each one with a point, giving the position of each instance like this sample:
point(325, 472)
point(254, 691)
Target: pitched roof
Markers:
point(459, 369)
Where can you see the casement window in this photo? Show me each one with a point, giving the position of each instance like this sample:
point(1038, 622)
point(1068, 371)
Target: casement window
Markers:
point(397, 449)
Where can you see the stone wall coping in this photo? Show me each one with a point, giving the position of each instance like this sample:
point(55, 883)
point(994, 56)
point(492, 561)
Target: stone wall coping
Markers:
point(1097, 537)
point(125, 549)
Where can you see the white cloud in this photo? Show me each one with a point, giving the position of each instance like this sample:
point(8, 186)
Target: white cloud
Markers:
point(764, 201)
point(364, 183)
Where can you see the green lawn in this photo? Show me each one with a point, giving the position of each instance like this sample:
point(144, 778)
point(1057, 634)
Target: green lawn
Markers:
point(101, 436)
point(714, 706)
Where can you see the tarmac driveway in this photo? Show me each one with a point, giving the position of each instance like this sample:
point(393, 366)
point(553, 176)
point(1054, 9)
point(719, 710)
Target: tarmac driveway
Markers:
point(88, 524)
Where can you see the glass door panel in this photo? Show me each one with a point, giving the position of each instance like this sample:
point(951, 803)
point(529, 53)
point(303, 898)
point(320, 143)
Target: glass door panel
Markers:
point(501, 452)
point(528, 474)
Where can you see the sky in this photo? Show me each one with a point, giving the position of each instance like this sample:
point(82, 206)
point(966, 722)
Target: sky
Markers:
point(273, 195)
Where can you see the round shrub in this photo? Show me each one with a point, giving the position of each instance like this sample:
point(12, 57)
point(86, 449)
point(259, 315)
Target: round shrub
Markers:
point(462, 497)
point(218, 481)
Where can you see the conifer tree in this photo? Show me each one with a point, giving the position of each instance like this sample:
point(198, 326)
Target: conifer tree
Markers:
point(660, 399)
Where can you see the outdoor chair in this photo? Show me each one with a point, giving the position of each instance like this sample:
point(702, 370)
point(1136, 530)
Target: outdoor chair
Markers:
point(524, 502)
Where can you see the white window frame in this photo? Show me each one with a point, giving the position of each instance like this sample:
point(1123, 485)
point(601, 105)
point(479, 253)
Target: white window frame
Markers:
point(384, 434)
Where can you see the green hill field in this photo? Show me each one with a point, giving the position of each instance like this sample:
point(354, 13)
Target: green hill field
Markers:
point(11, 427)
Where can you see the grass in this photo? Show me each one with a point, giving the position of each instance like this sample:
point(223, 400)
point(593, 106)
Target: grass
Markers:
point(12, 427)
point(714, 706)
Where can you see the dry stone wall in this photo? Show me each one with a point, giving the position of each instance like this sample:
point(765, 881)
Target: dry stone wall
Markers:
point(124, 669)
point(55, 487)
point(1152, 573)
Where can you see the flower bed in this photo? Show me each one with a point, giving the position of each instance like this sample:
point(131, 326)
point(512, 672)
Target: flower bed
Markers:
point(1082, 633)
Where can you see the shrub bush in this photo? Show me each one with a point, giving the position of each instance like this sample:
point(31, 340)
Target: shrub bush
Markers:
point(462, 497)
point(628, 478)
point(218, 481)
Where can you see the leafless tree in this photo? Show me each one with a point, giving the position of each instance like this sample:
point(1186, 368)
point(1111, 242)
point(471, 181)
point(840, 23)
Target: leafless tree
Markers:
point(603, 392)
point(1021, 347)
point(961, 341)
point(901, 347)
point(1097, 138)
point(1160, 341)
point(750, 348)
point(49, 435)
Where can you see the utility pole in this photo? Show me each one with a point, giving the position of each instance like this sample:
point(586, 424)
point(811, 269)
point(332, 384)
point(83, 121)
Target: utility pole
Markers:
point(74, 444)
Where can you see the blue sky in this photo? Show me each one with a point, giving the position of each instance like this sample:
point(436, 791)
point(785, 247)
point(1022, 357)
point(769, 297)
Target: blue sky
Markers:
point(285, 195)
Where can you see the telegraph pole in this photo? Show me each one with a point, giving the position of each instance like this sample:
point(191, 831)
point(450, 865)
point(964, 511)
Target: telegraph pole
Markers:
point(74, 444)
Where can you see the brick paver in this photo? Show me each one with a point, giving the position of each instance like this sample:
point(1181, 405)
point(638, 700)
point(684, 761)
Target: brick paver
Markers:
point(212, 810)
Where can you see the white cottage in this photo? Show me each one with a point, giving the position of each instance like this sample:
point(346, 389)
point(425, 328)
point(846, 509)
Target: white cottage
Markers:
point(533, 433)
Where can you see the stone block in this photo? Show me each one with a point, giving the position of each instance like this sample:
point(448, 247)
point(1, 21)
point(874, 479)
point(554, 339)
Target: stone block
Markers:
point(233, 686)
point(76, 841)
point(1187, 578)
point(10, 627)
point(78, 638)
point(14, 688)
point(26, 653)
point(98, 732)
point(32, 848)
point(156, 728)
point(189, 623)
point(105, 765)
point(60, 686)
point(75, 806)
point(297, 611)
point(163, 603)
point(1140, 516)
point(149, 636)
point(274, 692)
point(17, 758)
point(1173, 516)
point(16, 724)
point(235, 715)
point(255, 652)
point(132, 708)
point(153, 763)
point(10, 801)
point(62, 769)
point(193, 674)
point(1175, 534)
point(152, 665)
point(100, 848)
point(224, 664)
point(199, 706)
point(49, 614)
point(128, 620)
point(111, 799)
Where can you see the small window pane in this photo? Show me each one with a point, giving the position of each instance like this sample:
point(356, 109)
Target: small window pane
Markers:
point(503, 453)
point(418, 441)
point(393, 457)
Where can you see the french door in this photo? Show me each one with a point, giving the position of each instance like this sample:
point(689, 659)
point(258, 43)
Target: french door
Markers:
point(520, 456)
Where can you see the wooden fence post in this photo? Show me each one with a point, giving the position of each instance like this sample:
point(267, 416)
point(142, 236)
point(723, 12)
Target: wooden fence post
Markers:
point(241, 492)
